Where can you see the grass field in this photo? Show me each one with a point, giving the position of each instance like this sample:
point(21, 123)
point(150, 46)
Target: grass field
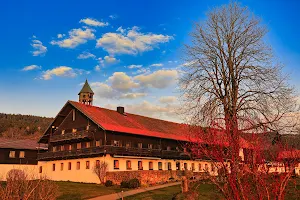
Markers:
point(205, 191)
point(77, 191)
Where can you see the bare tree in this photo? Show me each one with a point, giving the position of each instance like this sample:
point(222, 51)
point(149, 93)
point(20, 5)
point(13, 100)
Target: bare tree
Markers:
point(100, 170)
point(232, 83)
point(21, 185)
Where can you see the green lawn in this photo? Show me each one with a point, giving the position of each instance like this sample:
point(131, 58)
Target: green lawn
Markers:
point(159, 194)
point(206, 191)
point(77, 191)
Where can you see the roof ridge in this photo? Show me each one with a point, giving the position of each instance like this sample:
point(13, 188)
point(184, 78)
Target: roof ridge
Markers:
point(133, 114)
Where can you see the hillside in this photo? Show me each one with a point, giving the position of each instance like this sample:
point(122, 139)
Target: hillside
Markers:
point(22, 126)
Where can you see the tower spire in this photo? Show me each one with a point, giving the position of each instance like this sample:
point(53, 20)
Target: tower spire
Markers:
point(86, 94)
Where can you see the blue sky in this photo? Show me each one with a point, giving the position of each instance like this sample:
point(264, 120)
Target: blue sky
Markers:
point(128, 50)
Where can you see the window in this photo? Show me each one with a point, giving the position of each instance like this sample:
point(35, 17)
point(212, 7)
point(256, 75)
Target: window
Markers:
point(150, 146)
point(68, 148)
point(185, 166)
point(158, 146)
point(61, 166)
point(177, 165)
point(116, 143)
point(128, 144)
point(62, 148)
point(97, 163)
point(54, 149)
point(12, 154)
point(40, 169)
point(206, 167)
point(78, 145)
point(87, 144)
point(98, 143)
point(87, 165)
point(169, 166)
point(184, 150)
point(74, 130)
point(128, 164)
point(87, 127)
point(140, 165)
point(62, 132)
point(168, 148)
point(78, 165)
point(69, 166)
point(22, 154)
point(193, 166)
point(140, 145)
point(177, 149)
point(150, 165)
point(116, 164)
point(159, 165)
point(74, 114)
point(212, 167)
point(53, 167)
point(200, 168)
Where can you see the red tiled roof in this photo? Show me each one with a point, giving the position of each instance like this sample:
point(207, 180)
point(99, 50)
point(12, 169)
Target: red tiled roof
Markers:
point(20, 144)
point(136, 124)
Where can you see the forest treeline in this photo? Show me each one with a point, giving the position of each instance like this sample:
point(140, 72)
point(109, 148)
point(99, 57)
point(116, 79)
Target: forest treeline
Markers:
point(22, 126)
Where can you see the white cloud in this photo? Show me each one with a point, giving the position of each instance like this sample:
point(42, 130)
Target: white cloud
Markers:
point(103, 90)
point(62, 71)
point(157, 65)
point(146, 108)
point(76, 37)
point(133, 95)
point(158, 79)
point(31, 67)
point(131, 41)
point(58, 71)
point(167, 99)
point(97, 68)
point(108, 60)
point(86, 55)
point(39, 48)
point(134, 66)
point(60, 35)
point(122, 82)
point(113, 16)
point(93, 22)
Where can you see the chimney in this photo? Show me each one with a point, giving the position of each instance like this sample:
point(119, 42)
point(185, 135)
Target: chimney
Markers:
point(120, 110)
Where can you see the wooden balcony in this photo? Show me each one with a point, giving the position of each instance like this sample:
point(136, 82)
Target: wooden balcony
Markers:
point(71, 136)
point(113, 150)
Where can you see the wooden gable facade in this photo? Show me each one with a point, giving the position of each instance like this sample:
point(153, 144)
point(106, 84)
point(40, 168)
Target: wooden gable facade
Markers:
point(75, 134)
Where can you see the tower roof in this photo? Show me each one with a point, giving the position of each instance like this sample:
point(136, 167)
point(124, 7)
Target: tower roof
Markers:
point(86, 88)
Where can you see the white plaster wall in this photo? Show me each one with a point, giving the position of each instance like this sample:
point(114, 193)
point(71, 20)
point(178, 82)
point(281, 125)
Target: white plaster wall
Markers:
point(30, 170)
point(87, 175)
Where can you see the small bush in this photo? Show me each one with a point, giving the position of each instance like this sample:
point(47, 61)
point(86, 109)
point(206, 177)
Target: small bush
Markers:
point(108, 183)
point(124, 184)
point(134, 183)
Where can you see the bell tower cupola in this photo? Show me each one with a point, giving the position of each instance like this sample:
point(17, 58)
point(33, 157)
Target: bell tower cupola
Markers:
point(86, 94)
